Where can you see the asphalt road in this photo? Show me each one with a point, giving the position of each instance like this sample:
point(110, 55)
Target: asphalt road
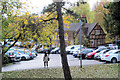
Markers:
point(55, 61)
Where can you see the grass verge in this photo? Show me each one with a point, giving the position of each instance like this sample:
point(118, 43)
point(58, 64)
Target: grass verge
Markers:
point(93, 71)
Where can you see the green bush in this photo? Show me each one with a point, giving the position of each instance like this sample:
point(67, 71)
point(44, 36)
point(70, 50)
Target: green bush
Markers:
point(6, 59)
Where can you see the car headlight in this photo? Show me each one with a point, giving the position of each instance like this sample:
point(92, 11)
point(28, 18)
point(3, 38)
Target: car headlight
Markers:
point(89, 54)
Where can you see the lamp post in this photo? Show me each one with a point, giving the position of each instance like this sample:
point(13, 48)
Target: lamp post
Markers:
point(80, 46)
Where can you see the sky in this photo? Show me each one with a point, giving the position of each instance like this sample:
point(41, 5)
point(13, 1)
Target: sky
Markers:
point(36, 6)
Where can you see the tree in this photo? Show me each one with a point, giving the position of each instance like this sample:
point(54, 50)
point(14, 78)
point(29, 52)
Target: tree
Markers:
point(100, 11)
point(84, 9)
point(24, 26)
point(112, 19)
point(65, 66)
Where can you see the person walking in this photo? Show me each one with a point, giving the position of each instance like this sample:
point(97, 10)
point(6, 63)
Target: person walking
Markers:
point(46, 59)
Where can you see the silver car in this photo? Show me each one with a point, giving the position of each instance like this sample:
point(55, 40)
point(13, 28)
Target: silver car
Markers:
point(14, 56)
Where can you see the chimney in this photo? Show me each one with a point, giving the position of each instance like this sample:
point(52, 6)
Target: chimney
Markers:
point(84, 19)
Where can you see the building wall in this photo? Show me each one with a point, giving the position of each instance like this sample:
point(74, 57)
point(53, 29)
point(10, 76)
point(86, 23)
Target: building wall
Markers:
point(97, 37)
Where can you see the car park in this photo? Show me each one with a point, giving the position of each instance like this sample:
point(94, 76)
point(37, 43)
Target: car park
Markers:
point(112, 56)
point(91, 55)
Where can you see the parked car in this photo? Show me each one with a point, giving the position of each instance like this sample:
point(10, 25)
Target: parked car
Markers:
point(24, 56)
point(98, 55)
point(18, 43)
point(48, 50)
point(112, 56)
point(55, 51)
point(71, 48)
point(76, 51)
point(13, 56)
point(91, 55)
point(34, 52)
point(40, 50)
point(84, 52)
point(28, 52)
point(112, 46)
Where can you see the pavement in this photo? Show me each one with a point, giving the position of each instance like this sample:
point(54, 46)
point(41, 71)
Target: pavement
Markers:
point(55, 62)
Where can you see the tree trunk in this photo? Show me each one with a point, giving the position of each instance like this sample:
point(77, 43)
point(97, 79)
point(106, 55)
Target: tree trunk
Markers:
point(65, 65)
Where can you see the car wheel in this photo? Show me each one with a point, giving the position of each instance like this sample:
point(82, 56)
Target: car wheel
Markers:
point(23, 58)
point(92, 56)
point(114, 60)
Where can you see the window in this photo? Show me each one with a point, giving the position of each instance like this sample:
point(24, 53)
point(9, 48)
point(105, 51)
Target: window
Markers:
point(92, 42)
point(97, 32)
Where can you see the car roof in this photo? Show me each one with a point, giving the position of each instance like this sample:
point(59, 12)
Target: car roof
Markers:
point(11, 51)
point(112, 51)
point(115, 50)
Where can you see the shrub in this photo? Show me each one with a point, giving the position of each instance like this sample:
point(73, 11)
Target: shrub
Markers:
point(6, 59)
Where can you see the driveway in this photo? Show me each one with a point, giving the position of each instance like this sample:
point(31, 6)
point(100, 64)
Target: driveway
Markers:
point(55, 61)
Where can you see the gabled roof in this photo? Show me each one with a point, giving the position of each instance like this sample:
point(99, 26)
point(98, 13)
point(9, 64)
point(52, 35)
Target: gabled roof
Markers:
point(73, 27)
point(86, 28)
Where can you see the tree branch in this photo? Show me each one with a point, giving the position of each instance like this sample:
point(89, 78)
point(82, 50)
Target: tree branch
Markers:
point(72, 13)
point(3, 52)
point(50, 19)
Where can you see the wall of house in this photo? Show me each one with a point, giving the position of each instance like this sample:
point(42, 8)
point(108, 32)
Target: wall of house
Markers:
point(97, 37)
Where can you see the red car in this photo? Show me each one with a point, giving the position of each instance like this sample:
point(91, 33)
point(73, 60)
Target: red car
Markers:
point(91, 55)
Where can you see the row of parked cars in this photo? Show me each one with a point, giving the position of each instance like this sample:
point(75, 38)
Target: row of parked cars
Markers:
point(18, 54)
point(102, 54)
point(108, 54)
point(69, 49)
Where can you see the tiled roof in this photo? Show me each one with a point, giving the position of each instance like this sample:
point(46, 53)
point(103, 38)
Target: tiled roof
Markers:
point(90, 27)
point(86, 28)
point(73, 27)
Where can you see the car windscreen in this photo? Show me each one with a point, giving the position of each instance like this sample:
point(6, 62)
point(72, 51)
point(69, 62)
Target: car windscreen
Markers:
point(55, 49)
point(86, 51)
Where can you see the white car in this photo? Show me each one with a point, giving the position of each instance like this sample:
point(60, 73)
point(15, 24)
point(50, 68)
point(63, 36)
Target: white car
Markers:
point(72, 47)
point(113, 46)
point(74, 50)
point(100, 54)
point(55, 51)
point(112, 56)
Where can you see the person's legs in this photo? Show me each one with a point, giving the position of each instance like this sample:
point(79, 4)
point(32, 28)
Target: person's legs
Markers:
point(47, 64)
point(44, 64)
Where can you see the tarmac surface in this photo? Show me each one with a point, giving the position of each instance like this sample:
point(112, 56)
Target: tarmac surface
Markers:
point(55, 62)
